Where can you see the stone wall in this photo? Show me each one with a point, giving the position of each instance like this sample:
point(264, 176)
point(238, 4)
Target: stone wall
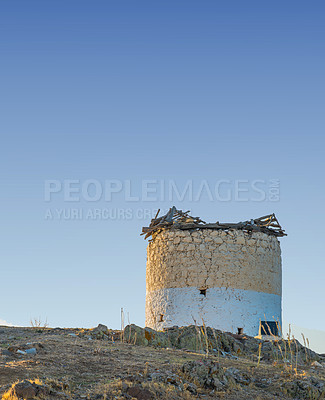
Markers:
point(240, 272)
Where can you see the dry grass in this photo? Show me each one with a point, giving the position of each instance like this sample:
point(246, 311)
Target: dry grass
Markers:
point(38, 323)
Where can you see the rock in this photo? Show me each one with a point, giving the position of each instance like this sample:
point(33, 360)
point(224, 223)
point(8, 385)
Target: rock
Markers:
point(304, 389)
point(6, 353)
point(228, 344)
point(145, 336)
point(29, 348)
point(271, 350)
point(13, 349)
point(31, 351)
point(173, 379)
point(191, 388)
point(166, 377)
point(157, 376)
point(316, 364)
point(100, 328)
point(217, 383)
point(223, 247)
point(207, 373)
point(36, 345)
point(186, 337)
point(139, 393)
point(100, 332)
point(242, 378)
point(202, 248)
point(240, 240)
point(27, 390)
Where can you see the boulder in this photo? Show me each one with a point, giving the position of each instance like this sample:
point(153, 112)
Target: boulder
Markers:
point(27, 390)
point(206, 374)
point(100, 328)
point(316, 364)
point(100, 332)
point(139, 393)
point(145, 336)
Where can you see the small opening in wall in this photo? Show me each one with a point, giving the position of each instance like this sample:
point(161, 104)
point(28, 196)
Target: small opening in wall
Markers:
point(203, 292)
point(161, 317)
point(269, 328)
point(240, 331)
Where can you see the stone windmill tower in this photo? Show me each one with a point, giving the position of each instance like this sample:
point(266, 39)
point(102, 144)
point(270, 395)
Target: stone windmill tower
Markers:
point(225, 275)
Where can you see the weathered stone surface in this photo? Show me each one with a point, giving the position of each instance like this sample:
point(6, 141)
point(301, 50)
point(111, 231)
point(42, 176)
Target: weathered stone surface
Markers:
point(240, 240)
point(100, 329)
point(258, 254)
point(139, 393)
point(206, 374)
point(316, 364)
point(206, 339)
point(27, 390)
point(304, 389)
point(145, 336)
point(188, 337)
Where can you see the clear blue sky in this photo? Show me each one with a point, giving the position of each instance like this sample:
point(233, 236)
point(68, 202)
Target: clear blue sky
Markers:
point(163, 90)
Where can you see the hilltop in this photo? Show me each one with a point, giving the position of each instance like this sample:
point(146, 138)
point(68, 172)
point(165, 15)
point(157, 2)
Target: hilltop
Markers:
point(178, 363)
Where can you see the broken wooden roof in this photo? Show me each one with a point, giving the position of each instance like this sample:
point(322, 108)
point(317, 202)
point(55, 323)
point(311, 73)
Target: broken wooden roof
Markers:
point(177, 219)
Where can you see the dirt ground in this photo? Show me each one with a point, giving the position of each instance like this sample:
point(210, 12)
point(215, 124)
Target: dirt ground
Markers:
point(76, 364)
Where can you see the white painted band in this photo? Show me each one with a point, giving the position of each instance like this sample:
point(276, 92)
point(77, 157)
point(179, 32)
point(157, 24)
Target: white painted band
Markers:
point(223, 308)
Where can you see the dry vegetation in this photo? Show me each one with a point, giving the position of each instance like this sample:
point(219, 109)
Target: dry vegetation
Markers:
point(188, 363)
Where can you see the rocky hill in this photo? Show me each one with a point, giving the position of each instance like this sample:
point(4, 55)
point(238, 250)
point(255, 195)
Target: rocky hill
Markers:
point(178, 363)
